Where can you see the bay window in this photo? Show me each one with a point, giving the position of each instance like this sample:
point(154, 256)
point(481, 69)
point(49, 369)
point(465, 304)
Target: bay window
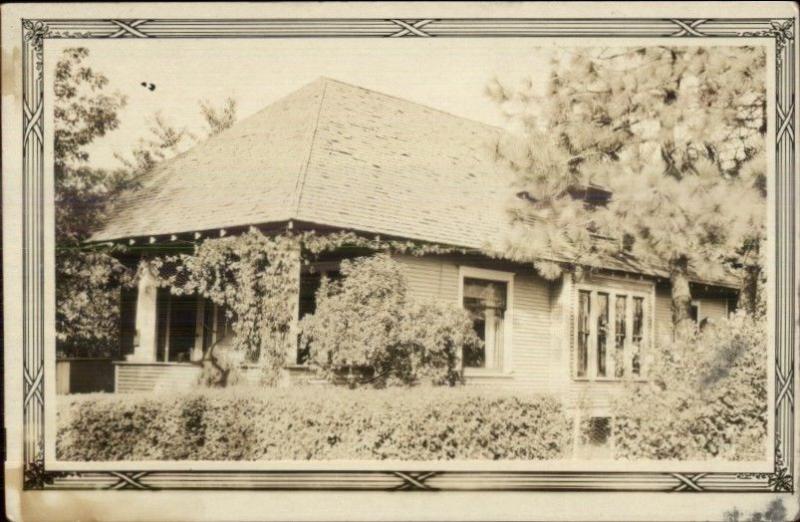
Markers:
point(611, 334)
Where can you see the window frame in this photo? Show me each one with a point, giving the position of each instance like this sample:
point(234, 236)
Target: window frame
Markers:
point(648, 329)
point(499, 276)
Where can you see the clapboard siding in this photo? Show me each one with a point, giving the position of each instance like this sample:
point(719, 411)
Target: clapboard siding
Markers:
point(532, 355)
point(663, 312)
point(437, 278)
point(715, 309)
point(142, 377)
point(430, 278)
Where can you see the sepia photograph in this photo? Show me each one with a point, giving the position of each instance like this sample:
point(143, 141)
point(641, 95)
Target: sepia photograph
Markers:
point(505, 250)
point(558, 254)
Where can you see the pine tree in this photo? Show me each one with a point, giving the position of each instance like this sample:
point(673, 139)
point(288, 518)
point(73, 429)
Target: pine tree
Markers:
point(676, 134)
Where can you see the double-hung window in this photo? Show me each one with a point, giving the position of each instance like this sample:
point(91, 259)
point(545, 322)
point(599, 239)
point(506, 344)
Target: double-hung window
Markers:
point(611, 333)
point(486, 295)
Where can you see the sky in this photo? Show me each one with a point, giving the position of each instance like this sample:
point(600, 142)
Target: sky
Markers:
point(447, 74)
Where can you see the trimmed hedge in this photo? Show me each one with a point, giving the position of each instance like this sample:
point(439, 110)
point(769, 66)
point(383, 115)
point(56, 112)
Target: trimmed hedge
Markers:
point(312, 422)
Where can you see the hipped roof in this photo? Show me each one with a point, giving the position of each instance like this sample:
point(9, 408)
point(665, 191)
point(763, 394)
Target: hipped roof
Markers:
point(342, 156)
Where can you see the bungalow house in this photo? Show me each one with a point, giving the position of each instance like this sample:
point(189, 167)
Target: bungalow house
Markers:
point(332, 156)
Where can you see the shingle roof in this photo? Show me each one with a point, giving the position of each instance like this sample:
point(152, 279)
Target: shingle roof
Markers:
point(336, 155)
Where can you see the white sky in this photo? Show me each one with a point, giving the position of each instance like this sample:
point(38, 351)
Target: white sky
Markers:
point(448, 74)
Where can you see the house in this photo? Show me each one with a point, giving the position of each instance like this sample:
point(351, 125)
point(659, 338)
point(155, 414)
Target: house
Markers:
point(332, 156)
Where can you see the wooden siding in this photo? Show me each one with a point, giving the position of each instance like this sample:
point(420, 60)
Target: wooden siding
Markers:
point(663, 312)
point(437, 278)
point(714, 309)
point(429, 278)
point(141, 377)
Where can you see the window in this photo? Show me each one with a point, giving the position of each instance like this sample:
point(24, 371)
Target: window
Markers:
point(619, 336)
point(602, 333)
point(485, 294)
point(638, 335)
point(595, 438)
point(177, 319)
point(584, 311)
point(610, 334)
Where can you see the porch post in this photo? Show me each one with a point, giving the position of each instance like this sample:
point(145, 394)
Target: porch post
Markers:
point(294, 330)
point(145, 339)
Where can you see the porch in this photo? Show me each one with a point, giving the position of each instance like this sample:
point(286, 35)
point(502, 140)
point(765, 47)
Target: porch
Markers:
point(165, 338)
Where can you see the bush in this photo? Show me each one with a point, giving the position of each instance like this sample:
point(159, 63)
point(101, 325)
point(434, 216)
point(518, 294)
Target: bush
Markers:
point(706, 397)
point(367, 327)
point(238, 423)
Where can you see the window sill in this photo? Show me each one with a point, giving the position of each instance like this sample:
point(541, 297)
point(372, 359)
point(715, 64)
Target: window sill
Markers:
point(608, 380)
point(487, 373)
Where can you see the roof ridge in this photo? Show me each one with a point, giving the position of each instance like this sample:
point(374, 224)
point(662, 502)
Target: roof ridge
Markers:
point(327, 79)
point(303, 173)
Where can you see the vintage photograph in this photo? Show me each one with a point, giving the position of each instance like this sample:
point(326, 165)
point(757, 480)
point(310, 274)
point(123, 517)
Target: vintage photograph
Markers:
point(321, 251)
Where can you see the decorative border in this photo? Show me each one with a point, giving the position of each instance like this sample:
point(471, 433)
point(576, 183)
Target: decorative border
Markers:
point(36, 32)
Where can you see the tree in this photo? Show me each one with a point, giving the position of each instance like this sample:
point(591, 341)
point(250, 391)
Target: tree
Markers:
point(714, 383)
point(88, 278)
point(221, 119)
point(165, 140)
point(367, 327)
point(86, 300)
point(684, 125)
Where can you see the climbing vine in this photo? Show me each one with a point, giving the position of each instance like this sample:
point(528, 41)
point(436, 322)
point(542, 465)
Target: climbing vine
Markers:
point(255, 278)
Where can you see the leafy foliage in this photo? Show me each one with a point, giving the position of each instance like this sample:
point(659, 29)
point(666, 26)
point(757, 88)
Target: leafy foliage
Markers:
point(255, 278)
point(684, 125)
point(87, 308)
point(88, 278)
point(369, 328)
point(313, 422)
point(714, 384)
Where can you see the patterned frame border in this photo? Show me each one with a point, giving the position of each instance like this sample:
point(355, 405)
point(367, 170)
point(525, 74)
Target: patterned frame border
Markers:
point(36, 32)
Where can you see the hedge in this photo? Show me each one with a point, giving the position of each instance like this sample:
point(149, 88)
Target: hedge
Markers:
point(312, 422)
point(707, 397)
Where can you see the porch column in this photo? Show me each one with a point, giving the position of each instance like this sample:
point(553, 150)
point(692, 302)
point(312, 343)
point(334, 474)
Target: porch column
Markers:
point(145, 339)
point(294, 330)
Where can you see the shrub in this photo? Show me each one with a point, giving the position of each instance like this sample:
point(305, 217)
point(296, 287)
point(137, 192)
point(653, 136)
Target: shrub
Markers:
point(706, 397)
point(366, 326)
point(238, 423)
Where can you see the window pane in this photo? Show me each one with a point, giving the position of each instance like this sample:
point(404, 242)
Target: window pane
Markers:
point(602, 333)
point(638, 329)
point(486, 303)
point(619, 336)
point(584, 299)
